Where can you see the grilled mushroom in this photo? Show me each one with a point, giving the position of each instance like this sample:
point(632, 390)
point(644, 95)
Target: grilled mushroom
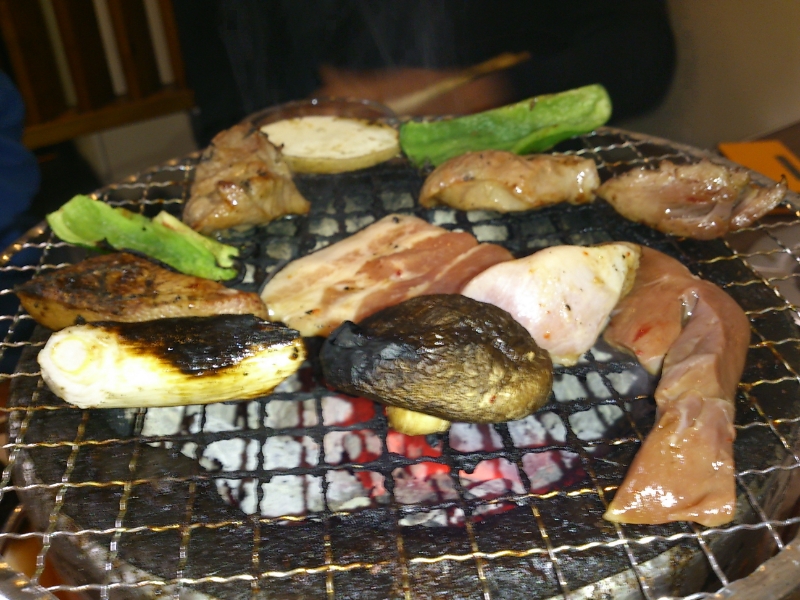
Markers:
point(442, 355)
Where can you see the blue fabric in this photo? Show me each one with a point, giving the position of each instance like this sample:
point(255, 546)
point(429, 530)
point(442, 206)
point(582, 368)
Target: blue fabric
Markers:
point(19, 171)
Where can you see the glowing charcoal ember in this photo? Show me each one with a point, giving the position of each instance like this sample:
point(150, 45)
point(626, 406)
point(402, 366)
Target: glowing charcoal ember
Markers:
point(545, 469)
point(427, 489)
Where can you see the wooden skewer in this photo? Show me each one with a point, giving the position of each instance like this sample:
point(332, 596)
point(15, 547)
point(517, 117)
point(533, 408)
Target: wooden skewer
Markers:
point(408, 102)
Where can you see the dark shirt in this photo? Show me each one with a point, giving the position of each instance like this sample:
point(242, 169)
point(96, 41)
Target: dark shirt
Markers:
point(244, 55)
point(19, 171)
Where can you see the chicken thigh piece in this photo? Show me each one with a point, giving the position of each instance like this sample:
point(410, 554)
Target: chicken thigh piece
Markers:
point(702, 201)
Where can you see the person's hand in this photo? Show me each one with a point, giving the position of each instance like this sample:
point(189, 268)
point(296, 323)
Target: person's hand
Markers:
point(385, 85)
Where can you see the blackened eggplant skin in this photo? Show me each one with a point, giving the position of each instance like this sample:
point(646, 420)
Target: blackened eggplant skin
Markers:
point(445, 355)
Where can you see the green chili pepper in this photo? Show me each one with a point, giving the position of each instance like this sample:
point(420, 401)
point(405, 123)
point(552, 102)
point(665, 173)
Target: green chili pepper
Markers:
point(532, 125)
point(88, 222)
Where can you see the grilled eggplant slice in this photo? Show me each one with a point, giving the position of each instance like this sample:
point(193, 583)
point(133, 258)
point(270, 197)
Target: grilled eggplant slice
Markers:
point(443, 355)
point(125, 287)
point(169, 362)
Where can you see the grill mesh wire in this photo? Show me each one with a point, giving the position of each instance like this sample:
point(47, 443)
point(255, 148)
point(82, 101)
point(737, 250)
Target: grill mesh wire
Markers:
point(69, 466)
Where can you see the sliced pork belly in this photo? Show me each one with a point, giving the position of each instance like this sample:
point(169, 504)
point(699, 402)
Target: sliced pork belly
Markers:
point(241, 181)
point(505, 182)
point(562, 295)
point(396, 258)
point(684, 469)
point(124, 287)
point(702, 201)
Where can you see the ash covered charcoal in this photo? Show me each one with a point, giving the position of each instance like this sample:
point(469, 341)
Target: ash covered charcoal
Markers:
point(275, 458)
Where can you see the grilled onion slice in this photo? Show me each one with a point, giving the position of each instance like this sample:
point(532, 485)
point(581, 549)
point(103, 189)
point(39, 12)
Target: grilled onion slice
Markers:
point(169, 362)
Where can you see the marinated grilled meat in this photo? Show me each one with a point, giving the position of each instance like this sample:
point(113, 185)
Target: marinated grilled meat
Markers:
point(563, 295)
point(444, 355)
point(241, 181)
point(396, 258)
point(506, 182)
point(169, 362)
point(684, 470)
point(125, 287)
point(702, 200)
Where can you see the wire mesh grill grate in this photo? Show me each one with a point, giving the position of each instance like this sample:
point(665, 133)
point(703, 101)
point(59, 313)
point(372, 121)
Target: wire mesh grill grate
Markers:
point(127, 510)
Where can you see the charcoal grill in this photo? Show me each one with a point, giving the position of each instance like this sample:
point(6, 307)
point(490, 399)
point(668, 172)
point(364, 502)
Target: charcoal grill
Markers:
point(127, 515)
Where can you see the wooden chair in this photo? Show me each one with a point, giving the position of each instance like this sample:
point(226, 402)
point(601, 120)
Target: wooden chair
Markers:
point(87, 65)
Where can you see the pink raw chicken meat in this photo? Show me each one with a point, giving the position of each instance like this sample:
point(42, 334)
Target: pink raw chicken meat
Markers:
point(684, 470)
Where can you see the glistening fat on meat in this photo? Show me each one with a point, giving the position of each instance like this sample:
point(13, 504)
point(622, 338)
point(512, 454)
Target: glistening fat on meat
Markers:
point(684, 469)
point(506, 182)
point(702, 201)
point(241, 181)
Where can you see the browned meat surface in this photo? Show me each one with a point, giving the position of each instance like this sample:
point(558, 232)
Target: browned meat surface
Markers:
point(684, 470)
point(241, 180)
point(396, 258)
point(702, 201)
point(124, 287)
point(506, 182)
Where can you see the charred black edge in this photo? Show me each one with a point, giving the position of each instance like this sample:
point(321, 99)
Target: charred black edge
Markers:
point(202, 345)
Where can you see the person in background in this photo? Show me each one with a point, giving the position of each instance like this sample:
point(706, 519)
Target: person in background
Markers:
point(19, 170)
point(19, 182)
point(245, 55)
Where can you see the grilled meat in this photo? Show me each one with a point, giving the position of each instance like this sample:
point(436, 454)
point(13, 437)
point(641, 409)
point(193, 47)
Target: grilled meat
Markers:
point(125, 287)
point(396, 258)
point(562, 295)
point(684, 469)
point(169, 362)
point(241, 181)
point(443, 355)
point(702, 201)
point(505, 182)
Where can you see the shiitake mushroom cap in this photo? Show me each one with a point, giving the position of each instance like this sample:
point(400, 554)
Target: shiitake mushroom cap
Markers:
point(444, 355)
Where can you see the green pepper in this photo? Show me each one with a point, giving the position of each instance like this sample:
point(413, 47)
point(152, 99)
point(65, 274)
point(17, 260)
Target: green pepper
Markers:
point(532, 125)
point(88, 222)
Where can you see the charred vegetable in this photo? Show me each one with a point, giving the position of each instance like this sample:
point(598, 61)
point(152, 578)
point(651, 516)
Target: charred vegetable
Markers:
point(89, 222)
point(124, 287)
point(169, 362)
point(443, 355)
point(532, 125)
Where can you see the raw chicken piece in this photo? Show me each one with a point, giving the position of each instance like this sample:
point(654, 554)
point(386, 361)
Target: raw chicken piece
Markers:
point(702, 201)
point(241, 181)
point(684, 469)
point(562, 295)
point(396, 258)
point(505, 182)
point(650, 318)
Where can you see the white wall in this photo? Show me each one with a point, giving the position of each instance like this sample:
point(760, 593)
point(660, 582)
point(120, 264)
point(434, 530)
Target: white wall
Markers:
point(738, 73)
point(117, 153)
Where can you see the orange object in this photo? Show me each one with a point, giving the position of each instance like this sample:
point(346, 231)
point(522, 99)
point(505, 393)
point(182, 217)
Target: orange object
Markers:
point(769, 157)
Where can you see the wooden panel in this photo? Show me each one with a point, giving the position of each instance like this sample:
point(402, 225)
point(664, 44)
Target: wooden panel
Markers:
point(80, 34)
point(122, 112)
point(32, 59)
point(135, 47)
point(171, 33)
